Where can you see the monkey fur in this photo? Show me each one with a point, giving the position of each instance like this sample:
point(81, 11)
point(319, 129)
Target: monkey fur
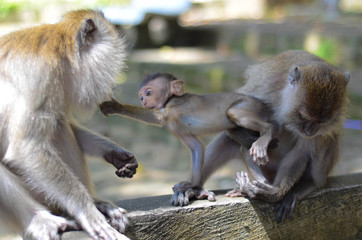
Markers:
point(47, 73)
point(308, 100)
point(189, 116)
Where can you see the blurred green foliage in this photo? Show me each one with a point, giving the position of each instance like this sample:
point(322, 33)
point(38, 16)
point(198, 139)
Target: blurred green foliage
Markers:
point(327, 50)
point(9, 7)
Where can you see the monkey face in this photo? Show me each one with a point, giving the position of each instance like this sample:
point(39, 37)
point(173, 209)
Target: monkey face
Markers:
point(307, 128)
point(155, 94)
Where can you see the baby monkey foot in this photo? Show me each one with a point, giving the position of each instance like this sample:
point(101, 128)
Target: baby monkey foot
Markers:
point(124, 161)
point(259, 151)
point(184, 192)
point(259, 154)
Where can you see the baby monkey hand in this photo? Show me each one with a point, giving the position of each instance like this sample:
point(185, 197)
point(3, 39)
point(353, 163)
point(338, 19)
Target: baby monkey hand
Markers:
point(124, 161)
point(110, 107)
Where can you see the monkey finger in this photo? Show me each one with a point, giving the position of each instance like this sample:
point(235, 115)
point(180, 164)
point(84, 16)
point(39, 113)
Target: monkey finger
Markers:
point(124, 173)
point(131, 165)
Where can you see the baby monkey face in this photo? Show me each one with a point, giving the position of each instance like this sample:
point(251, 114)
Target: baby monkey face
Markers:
point(155, 94)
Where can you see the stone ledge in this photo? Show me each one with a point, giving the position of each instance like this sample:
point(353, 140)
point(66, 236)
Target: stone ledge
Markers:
point(334, 212)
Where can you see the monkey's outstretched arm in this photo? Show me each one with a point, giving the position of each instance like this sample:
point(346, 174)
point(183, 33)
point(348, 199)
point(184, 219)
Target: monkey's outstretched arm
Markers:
point(95, 145)
point(138, 113)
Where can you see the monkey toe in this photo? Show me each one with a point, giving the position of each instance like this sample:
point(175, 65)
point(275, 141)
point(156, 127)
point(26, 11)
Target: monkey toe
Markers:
point(235, 193)
point(179, 199)
point(285, 207)
point(202, 194)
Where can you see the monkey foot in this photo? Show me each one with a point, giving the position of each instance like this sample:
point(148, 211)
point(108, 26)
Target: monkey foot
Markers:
point(184, 192)
point(235, 193)
point(286, 207)
point(115, 216)
point(259, 154)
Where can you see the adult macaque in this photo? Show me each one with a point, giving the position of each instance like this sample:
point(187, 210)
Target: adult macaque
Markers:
point(307, 98)
point(189, 116)
point(47, 73)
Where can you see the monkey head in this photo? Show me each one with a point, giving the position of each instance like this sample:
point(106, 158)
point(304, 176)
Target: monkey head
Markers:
point(156, 92)
point(316, 100)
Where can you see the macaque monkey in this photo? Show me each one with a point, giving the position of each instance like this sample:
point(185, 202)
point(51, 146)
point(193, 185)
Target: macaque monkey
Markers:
point(189, 116)
point(307, 98)
point(46, 74)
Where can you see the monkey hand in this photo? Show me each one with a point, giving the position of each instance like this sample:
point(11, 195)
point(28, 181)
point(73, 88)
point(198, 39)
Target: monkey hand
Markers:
point(110, 107)
point(115, 216)
point(124, 161)
point(184, 191)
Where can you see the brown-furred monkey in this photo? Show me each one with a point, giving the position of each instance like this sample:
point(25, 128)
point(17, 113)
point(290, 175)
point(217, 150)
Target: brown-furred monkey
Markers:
point(307, 98)
point(189, 116)
point(46, 74)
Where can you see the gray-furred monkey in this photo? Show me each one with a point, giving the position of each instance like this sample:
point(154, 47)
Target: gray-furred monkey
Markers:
point(46, 73)
point(308, 99)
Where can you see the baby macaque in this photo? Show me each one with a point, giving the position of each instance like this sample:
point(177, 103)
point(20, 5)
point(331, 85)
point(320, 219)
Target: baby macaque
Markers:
point(189, 116)
point(308, 100)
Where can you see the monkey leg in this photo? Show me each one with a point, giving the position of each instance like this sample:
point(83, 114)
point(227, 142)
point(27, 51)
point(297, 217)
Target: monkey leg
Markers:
point(25, 215)
point(184, 191)
point(115, 216)
point(248, 114)
point(219, 152)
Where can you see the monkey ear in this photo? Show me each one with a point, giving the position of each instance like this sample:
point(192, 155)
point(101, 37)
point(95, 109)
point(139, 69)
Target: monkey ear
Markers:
point(294, 76)
point(177, 87)
point(86, 33)
point(347, 76)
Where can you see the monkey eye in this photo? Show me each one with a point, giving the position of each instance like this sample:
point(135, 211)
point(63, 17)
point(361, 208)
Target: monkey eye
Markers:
point(141, 98)
point(148, 92)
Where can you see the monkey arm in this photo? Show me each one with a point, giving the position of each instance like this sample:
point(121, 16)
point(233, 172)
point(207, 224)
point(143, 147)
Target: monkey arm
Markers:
point(95, 145)
point(157, 118)
point(313, 178)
